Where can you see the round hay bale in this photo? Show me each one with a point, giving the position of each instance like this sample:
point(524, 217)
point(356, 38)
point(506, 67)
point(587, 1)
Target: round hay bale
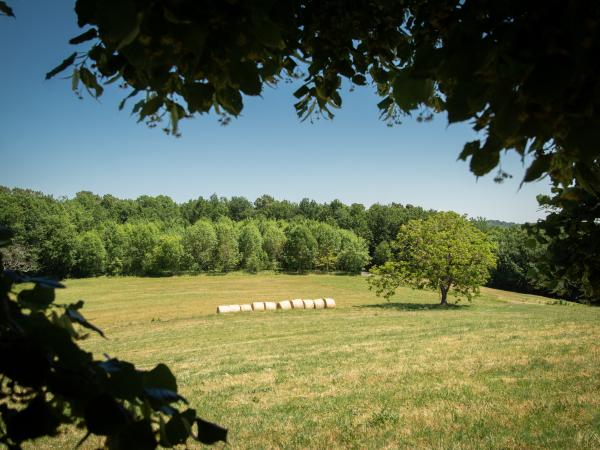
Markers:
point(297, 303)
point(246, 307)
point(329, 303)
point(234, 308)
point(258, 306)
point(319, 303)
point(284, 304)
point(270, 306)
point(223, 309)
point(309, 304)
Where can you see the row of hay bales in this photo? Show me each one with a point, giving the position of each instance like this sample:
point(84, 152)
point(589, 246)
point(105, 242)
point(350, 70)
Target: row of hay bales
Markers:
point(319, 303)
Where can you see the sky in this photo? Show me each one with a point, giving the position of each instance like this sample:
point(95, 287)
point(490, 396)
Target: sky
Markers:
point(55, 143)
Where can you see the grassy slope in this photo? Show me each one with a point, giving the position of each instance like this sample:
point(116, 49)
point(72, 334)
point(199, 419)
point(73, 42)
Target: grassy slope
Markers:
point(507, 371)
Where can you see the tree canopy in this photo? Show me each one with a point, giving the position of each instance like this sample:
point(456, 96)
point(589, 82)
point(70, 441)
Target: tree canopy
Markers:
point(523, 74)
point(444, 252)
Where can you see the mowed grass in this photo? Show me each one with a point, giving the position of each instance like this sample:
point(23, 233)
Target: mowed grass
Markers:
point(505, 371)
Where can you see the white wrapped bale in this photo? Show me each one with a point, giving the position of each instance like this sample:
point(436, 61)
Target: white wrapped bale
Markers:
point(297, 303)
point(319, 303)
point(329, 303)
point(258, 306)
point(309, 304)
point(228, 309)
point(246, 307)
point(270, 306)
point(284, 304)
point(223, 309)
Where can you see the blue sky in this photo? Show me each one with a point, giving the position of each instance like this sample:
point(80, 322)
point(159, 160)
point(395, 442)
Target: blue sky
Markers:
point(53, 142)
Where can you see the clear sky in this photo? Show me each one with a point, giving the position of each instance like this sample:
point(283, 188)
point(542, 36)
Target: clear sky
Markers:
point(53, 142)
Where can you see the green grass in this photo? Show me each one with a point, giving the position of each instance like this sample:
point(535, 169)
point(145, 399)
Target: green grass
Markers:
point(506, 371)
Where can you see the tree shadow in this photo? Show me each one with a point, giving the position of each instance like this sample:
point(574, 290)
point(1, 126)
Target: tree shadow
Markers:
point(415, 306)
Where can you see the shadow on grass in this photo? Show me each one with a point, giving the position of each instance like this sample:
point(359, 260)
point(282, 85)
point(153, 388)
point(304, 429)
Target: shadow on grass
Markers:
point(415, 306)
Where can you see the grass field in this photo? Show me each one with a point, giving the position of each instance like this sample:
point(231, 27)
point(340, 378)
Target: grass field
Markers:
point(506, 371)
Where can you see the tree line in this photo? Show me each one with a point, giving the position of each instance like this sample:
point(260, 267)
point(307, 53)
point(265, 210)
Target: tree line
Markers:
point(90, 235)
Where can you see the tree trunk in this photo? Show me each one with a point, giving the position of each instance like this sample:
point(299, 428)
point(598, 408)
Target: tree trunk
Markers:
point(444, 301)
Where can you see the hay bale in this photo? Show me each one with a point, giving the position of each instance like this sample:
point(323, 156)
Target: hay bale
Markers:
point(329, 303)
point(309, 304)
point(319, 303)
point(284, 304)
point(228, 309)
point(258, 306)
point(246, 307)
point(297, 303)
point(270, 306)
point(223, 309)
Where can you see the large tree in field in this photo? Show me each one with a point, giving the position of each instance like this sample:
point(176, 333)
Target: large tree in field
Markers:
point(444, 252)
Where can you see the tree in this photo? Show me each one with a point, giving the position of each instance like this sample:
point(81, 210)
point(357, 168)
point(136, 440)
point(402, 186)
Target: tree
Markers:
point(90, 255)
point(328, 245)
point(273, 239)
point(516, 253)
point(250, 245)
point(166, 256)
point(300, 248)
point(570, 236)
point(199, 243)
point(240, 208)
point(354, 253)
point(226, 255)
point(140, 241)
point(443, 252)
point(382, 253)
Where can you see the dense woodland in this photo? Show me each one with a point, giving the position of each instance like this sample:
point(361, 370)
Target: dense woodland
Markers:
point(91, 235)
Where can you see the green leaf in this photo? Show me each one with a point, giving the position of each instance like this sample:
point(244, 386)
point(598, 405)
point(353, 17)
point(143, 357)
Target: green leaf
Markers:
point(160, 377)
point(105, 416)
point(151, 106)
point(469, 149)
point(75, 79)
point(483, 161)
point(37, 298)
point(231, 100)
point(301, 92)
point(6, 10)
point(160, 396)
point(245, 75)
point(209, 433)
point(90, 82)
point(86, 36)
point(199, 96)
point(409, 92)
point(177, 430)
point(538, 167)
point(62, 66)
point(137, 436)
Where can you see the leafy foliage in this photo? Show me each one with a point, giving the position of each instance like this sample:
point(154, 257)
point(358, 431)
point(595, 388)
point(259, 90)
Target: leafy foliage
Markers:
point(443, 252)
point(48, 381)
point(505, 67)
point(570, 237)
point(516, 253)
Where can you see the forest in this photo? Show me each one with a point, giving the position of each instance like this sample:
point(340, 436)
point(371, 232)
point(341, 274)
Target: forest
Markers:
point(91, 235)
